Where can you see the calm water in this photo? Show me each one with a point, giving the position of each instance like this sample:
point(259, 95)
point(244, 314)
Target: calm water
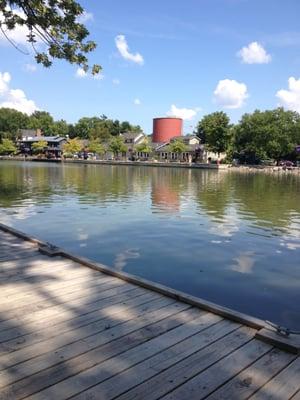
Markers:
point(231, 238)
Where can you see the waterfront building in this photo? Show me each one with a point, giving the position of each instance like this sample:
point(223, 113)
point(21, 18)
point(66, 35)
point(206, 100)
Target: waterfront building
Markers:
point(29, 136)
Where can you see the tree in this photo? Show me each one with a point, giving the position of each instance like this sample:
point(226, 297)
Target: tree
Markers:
point(270, 134)
point(177, 146)
point(7, 147)
point(11, 121)
point(60, 128)
point(39, 147)
point(42, 120)
point(96, 147)
point(214, 131)
point(117, 145)
point(84, 126)
point(143, 147)
point(56, 24)
point(72, 147)
point(101, 131)
point(125, 126)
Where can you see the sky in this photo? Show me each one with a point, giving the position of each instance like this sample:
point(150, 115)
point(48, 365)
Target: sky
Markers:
point(163, 58)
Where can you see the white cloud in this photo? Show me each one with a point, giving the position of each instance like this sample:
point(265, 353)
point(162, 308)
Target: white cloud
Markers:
point(30, 67)
point(123, 48)
point(116, 81)
point(184, 113)
point(19, 35)
point(4, 81)
point(81, 74)
point(85, 17)
point(230, 93)
point(137, 102)
point(254, 53)
point(290, 98)
point(14, 98)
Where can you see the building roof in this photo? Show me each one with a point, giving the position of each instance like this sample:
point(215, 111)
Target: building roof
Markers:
point(189, 147)
point(30, 132)
point(52, 139)
point(132, 135)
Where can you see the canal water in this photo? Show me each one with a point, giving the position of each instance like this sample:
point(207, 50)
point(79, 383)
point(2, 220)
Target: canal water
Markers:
point(228, 237)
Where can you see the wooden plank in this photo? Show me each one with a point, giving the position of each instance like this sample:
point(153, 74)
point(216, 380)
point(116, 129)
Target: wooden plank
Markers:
point(39, 279)
point(37, 263)
point(83, 283)
point(212, 378)
point(72, 308)
point(59, 341)
point(106, 369)
point(165, 379)
point(15, 255)
point(283, 386)
point(155, 323)
point(171, 359)
point(106, 289)
point(296, 396)
point(45, 281)
point(12, 241)
point(51, 352)
point(254, 377)
point(46, 299)
point(69, 317)
point(56, 285)
point(113, 315)
point(290, 343)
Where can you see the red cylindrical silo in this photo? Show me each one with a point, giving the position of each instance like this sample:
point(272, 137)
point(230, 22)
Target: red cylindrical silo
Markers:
point(166, 128)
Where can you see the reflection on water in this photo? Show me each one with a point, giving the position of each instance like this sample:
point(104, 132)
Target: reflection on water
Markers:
point(244, 262)
point(228, 237)
point(122, 258)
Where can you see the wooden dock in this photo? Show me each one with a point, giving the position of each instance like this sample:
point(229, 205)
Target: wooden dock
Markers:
point(69, 331)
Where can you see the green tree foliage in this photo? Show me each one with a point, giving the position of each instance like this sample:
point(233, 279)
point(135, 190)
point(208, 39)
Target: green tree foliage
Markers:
point(271, 134)
point(55, 23)
point(214, 131)
point(73, 146)
point(39, 147)
point(42, 120)
point(177, 146)
point(84, 126)
point(60, 128)
point(11, 121)
point(117, 145)
point(7, 147)
point(96, 147)
point(102, 128)
point(144, 147)
point(101, 131)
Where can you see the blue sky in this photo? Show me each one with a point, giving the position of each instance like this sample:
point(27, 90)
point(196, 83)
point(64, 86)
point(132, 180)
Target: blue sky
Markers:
point(183, 58)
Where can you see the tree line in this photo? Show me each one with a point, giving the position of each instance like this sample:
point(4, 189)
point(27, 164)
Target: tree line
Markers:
point(11, 121)
point(257, 137)
point(270, 135)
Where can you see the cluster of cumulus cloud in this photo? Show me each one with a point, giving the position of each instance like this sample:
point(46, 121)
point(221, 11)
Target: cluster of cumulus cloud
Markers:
point(228, 93)
point(14, 98)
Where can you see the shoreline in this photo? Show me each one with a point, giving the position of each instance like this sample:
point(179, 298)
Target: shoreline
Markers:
point(216, 167)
